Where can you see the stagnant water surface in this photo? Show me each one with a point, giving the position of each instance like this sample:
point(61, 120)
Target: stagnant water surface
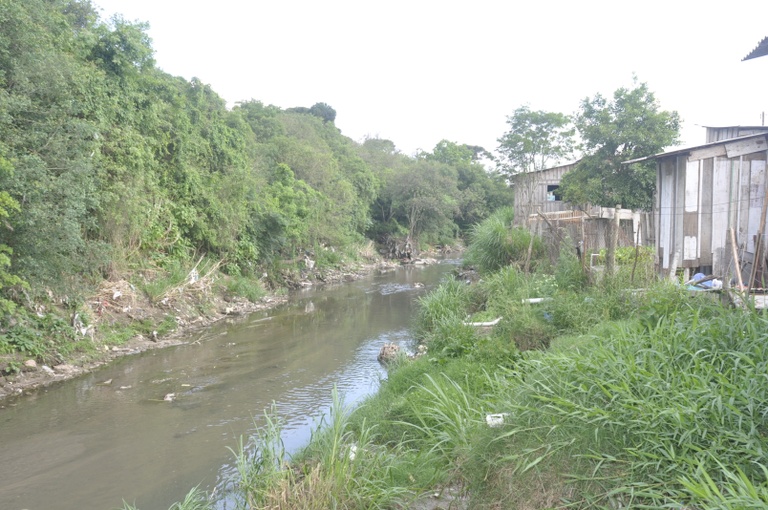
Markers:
point(110, 437)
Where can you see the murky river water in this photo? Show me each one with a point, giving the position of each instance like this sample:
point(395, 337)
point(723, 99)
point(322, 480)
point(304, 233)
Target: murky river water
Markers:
point(110, 437)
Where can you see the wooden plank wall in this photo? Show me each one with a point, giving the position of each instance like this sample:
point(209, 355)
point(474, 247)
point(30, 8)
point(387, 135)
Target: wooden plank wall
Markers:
point(691, 230)
point(666, 206)
point(742, 201)
point(699, 200)
point(719, 244)
point(756, 193)
point(678, 215)
point(706, 227)
point(531, 198)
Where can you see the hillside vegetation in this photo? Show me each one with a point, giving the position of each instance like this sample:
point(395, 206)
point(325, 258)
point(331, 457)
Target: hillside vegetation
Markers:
point(114, 171)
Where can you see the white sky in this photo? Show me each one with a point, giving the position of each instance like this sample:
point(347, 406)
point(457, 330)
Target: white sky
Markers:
point(419, 71)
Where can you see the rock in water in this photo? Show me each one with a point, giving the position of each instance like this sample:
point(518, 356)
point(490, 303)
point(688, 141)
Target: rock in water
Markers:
point(388, 353)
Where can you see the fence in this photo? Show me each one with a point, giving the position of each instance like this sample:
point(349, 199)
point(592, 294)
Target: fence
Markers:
point(587, 231)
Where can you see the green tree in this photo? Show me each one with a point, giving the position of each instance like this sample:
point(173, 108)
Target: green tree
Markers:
point(451, 153)
point(262, 119)
point(50, 100)
point(425, 198)
point(478, 192)
point(631, 125)
point(324, 111)
point(7, 206)
point(387, 164)
point(124, 48)
point(328, 162)
point(281, 217)
point(536, 140)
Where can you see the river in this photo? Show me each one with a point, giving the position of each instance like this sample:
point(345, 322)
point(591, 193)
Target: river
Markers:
point(147, 428)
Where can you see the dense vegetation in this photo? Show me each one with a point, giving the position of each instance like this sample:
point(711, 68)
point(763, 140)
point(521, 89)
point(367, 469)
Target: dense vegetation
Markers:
point(602, 395)
point(111, 169)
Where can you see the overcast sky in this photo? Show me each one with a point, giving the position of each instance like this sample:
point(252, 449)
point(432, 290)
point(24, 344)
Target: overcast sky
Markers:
point(419, 71)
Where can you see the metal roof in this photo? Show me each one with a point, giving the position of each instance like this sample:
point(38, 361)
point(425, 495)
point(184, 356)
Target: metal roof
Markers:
point(765, 128)
point(760, 51)
point(689, 149)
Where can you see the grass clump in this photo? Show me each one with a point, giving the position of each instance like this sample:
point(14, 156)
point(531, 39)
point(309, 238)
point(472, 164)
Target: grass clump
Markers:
point(495, 243)
point(341, 467)
point(451, 302)
point(644, 416)
point(245, 287)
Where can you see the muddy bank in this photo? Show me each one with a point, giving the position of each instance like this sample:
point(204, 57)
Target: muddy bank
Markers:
point(192, 307)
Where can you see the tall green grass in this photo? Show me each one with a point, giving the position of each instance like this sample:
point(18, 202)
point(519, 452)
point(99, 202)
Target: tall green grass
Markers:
point(495, 243)
point(196, 499)
point(451, 301)
point(261, 466)
point(444, 419)
point(662, 416)
point(341, 467)
point(242, 286)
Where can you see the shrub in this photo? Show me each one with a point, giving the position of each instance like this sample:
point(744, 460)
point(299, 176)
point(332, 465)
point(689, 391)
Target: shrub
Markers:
point(248, 288)
point(495, 243)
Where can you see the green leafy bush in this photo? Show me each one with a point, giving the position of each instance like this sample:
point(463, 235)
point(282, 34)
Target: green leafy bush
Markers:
point(495, 243)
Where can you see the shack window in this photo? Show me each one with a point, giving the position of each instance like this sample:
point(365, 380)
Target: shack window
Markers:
point(552, 193)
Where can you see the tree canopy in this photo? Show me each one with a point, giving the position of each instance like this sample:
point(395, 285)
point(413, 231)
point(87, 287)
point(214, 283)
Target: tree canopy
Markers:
point(630, 125)
point(108, 164)
point(536, 140)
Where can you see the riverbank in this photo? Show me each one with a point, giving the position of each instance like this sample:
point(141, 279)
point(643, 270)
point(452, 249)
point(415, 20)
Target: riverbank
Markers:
point(190, 308)
point(587, 419)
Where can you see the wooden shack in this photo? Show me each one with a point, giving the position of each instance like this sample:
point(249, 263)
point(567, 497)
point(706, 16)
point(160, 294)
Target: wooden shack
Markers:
point(539, 207)
point(538, 191)
point(710, 204)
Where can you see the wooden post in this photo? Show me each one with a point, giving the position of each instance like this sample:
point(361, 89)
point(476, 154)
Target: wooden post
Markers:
point(583, 246)
point(742, 299)
point(637, 253)
point(757, 263)
point(613, 241)
point(737, 265)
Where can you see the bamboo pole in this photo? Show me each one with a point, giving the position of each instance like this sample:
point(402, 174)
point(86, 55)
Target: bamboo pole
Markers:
point(735, 251)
